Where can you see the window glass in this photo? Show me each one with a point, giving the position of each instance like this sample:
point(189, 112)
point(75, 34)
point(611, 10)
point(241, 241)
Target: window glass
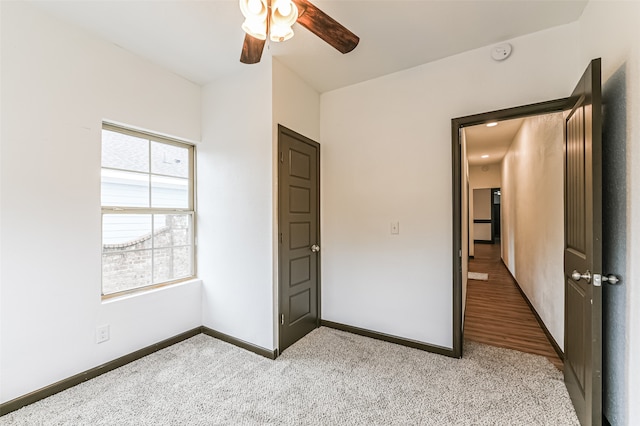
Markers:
point(124, 189)
point(169, 160)
point(144, 180)
point(124, 152)
point(169, 192)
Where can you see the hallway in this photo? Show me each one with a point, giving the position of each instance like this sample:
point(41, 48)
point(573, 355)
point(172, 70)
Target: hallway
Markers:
point(496, 312)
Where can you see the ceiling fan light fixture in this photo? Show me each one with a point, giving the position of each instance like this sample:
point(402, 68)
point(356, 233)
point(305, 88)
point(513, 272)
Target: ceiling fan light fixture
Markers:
point(254, 28)
point(256, 13)
point(257, 9)
point(275, 18)
point(284, 8)
point(284, 13)
point(280, 33)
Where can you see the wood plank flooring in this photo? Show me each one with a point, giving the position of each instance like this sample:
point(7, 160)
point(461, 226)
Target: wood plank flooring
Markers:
point(496, 313)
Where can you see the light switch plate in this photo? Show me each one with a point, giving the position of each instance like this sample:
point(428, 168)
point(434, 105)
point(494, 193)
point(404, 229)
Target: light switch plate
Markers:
point(395, 228)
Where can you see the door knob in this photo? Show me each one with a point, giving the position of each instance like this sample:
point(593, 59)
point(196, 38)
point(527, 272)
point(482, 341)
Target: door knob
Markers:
point(315, 248)
point(597, 278)
point(576, 276)
point(611, 279)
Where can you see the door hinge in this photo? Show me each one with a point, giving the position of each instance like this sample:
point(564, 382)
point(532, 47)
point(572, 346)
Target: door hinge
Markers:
point(281, 157)
point(281, 319)
point(281, 238)
point(460, 253)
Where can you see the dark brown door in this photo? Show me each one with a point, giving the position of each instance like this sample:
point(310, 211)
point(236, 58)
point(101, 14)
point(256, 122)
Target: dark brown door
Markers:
point(298, 212)
point(583, 248)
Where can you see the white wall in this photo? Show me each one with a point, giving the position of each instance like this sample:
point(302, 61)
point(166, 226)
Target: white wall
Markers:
point(235, 206)
point(533, 218)
point(610, 30)
point(237, 197)
point(487, 176)
point(296, 105)
point(387, 157)
point(58, 84)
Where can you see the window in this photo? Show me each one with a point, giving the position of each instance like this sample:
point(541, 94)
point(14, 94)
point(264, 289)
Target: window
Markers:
point(147, 210)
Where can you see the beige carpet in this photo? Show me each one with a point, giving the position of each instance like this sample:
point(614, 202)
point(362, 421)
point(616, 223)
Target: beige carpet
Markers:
point(327, 378)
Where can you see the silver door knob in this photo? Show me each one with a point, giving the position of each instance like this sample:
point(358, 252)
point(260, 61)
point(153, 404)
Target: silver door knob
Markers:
point(315, 248)
point(611, 279)
point(576, 276)
point(599, 279)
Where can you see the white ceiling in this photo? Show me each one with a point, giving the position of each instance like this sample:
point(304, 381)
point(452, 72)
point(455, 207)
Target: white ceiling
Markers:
point(491, 141)
point(201, 39)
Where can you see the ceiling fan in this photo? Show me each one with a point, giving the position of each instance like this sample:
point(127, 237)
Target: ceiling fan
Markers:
point(274, 18)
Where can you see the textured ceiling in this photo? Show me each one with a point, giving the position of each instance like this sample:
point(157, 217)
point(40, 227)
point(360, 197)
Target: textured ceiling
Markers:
point(491, 141)
point(201, 40)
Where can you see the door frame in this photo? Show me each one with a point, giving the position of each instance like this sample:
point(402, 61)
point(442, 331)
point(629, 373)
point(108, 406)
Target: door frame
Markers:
point(495, 225)
point(282, 130)
point(457, 124)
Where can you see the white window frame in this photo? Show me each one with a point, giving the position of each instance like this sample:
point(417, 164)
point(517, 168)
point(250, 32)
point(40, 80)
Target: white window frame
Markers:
point(110, 210)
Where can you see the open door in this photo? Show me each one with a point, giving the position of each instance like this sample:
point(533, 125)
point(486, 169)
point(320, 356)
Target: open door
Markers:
point(583, 247)
point(583, 236)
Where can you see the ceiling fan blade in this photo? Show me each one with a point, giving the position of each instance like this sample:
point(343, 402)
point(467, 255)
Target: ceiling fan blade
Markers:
point(251, 50)
point(325, 27)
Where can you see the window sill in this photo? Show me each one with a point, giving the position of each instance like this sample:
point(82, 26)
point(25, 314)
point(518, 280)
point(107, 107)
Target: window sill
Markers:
point(150, 290)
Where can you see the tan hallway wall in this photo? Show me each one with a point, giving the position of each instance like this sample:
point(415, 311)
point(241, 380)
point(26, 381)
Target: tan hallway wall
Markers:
point(532, 230)
point(482, 211)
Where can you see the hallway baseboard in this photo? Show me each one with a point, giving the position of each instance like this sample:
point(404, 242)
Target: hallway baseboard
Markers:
point(543, 326)
point(498, 314)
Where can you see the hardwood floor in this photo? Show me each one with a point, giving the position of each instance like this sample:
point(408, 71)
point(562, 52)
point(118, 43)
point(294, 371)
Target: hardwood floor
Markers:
point(497, 314)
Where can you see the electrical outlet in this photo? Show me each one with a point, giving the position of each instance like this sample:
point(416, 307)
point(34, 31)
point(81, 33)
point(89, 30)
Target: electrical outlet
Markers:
point(102, 333)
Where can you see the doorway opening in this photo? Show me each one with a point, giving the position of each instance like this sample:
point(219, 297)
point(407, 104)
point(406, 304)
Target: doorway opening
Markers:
point(461, 194)
point(582, 240)
point(495, 214)
point(484, 214)
point(514, 289)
